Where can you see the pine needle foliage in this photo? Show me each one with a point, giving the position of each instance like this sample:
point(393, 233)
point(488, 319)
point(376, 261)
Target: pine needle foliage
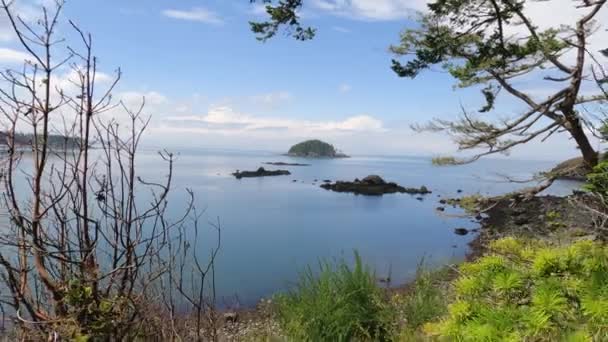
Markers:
point(597, 180)
point(530, 291)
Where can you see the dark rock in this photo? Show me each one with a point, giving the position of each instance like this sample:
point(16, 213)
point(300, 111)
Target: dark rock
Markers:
point(478, 217)
point(461, 231)
point(420, 199)
point(443, 201)
point(231, 317)
point(373, 186)
point(519, 211)
point(295, 180)
point(374, 180)
point(440, 209)
point(261, 172)
point(459, 191)
point(326, 181)
point(386, 280)
point(520, 221)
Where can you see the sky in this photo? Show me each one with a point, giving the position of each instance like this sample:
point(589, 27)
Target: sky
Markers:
point(209, 83)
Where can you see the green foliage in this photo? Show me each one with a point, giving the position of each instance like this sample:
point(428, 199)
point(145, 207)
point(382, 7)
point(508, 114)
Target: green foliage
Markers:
point(95, 317)
point(284, 13)
point(453, 36)
point(471, 203)
point(530, 291)
point(553, 219)
point(313, 148)
point(423, 302)
point(444, 161)
point(340, 303)
point(597, 180)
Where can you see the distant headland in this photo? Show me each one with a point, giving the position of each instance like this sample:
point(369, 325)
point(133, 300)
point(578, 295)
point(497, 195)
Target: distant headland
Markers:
point(315, 149)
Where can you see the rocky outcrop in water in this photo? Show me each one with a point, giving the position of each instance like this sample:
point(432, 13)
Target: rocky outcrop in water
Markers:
point(261, 172)
point(373, 186)
point(315, 149)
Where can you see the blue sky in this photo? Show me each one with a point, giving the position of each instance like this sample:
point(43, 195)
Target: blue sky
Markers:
point(210, 83)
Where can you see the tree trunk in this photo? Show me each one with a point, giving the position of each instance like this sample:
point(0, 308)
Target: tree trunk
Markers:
point(589, 154)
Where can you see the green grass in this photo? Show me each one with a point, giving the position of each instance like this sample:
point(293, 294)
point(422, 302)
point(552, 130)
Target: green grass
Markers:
point(424, 301)
point(339, 303)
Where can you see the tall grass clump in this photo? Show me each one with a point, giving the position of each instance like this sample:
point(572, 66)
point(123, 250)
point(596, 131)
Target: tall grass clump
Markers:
point(424, 301)
point(337, 303)
point(530, 291)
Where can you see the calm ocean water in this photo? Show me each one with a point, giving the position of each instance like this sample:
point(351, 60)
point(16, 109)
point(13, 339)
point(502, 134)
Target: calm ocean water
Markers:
point(274, 227)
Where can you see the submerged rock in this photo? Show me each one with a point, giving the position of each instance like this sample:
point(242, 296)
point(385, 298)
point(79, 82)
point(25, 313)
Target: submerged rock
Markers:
point(461, 231)
point(261, 172)
point(373, 186)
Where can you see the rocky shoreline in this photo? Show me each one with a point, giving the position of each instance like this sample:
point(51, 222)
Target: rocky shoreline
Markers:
point(552, 218)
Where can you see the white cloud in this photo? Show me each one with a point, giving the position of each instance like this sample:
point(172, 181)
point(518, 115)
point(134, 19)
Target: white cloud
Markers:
point(135, 98)
point(258, 10)
point(375, 10)
point(27, 10)
point(13, 56)
point(272, 99)
point(345, 88)
point(199, 14)
point(225, 120)
point(69, 82)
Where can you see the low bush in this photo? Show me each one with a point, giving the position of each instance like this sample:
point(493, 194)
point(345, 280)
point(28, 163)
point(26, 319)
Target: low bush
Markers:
point(530, 291)
point(339, 303)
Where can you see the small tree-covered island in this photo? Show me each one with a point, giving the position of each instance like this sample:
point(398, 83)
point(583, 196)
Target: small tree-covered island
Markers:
point(315, 149)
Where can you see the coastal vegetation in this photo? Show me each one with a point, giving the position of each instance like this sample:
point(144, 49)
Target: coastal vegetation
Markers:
point(443, 161)
point(315, 149)
point(24, 140)
point(529, 290)
point(336, 303)
point(85, 258)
